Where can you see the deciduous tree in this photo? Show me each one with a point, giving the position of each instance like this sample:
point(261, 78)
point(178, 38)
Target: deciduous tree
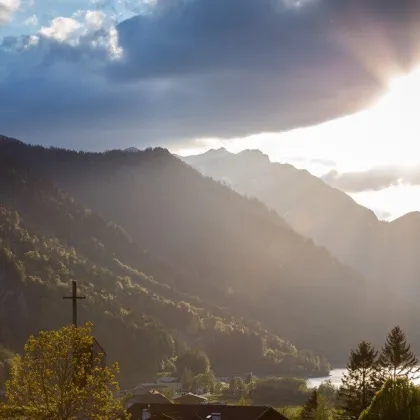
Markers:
point(60, 378)
point(398, 399)
point(195, 360)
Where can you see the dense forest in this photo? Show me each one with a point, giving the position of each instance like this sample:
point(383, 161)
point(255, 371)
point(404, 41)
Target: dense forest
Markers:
point(222, 247)
point(47, 239)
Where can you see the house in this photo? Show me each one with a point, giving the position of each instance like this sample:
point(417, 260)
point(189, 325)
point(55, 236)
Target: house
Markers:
point(163, 383)
point(150, 397)
point(202, 412)
point(190, 399)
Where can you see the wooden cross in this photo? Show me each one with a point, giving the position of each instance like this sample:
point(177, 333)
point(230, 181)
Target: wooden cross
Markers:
point(74, 298)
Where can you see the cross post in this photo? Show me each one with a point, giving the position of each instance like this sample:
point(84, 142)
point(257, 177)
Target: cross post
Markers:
point(74, 298)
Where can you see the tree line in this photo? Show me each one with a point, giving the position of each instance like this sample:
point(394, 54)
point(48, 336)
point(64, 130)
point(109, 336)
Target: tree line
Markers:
point(376, 385)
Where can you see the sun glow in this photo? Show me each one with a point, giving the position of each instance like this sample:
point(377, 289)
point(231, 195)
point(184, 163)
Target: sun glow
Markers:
point(387, 134)
point(399, 108)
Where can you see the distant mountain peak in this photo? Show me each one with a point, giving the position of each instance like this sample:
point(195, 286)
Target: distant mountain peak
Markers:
point(248, 157)
point(412, 217)
point(218, 152)
point(254, 154)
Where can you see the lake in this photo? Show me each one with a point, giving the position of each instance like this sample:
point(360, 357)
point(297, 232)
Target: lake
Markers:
point(335, 378)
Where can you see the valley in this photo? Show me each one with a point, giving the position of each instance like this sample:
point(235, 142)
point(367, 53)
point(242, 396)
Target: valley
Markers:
point(171, 260)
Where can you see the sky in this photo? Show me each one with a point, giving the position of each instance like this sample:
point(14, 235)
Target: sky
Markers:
point(327, 85)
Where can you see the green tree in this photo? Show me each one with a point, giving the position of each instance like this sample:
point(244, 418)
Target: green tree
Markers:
point(245, 401)
point(205, 382)
point(237, 386)
point(396, 357)
point(233, 387)
point(168, 393)
point(59, 378)
point(310, 407)
point(398, 399)
point(324, 411)
point(187, 380)
point(250, 378)
point(328, 391)
point(362, 380)
point(280, 391)
point(195, 360)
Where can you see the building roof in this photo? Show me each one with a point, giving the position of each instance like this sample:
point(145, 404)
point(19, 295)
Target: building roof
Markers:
point(152, 397)
point(189, 399)
point(204, 412)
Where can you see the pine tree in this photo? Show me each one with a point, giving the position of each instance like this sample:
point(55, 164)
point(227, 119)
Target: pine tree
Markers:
point(397, 358)
point(310, 407)
point(362, 380)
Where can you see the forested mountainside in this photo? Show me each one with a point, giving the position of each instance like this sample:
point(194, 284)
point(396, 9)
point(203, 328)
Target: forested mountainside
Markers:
point(382, 251)
point(229, 250)
point(47, 239)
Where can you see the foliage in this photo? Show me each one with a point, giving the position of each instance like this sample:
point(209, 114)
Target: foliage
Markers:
point(204, 382)
point(6, 358)
point(398, 399)
point(397, 357)
point(280, 392)
point(187, 380)
point(311, 406)
point(362, 380)
point(59, 377)
point(324, 410)
point(169, 393)
point(328, 391)
point(195, 360)
point(245, 401)
point(290, 412)
point(236, 386)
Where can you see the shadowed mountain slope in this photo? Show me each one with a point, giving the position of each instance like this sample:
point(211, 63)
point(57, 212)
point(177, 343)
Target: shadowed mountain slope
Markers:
point(231, 251)
point(47, 239)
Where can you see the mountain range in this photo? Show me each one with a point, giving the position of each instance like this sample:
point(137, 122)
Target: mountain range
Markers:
point(171, 259)
point(385, 252)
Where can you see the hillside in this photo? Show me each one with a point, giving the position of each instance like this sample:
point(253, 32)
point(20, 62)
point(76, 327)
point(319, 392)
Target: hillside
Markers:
point(382, 251)
point(231, 251)
point(47, 239)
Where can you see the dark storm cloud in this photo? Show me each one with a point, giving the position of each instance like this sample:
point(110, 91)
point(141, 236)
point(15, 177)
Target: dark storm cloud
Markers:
point(198, 68)
point(375, 179)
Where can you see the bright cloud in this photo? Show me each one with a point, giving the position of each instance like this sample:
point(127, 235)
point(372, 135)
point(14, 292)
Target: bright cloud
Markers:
point(61, 29)
point(7, 8)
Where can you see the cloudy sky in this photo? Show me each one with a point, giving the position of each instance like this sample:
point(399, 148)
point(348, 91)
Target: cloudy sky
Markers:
point(329, 85)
